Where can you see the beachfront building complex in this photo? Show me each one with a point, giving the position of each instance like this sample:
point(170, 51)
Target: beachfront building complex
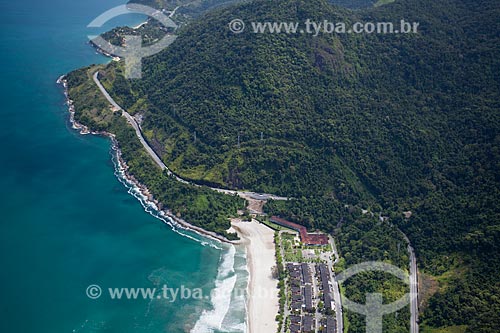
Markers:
point(309, 288)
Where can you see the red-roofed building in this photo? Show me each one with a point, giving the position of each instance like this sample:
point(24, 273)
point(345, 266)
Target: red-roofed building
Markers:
point(305, 237)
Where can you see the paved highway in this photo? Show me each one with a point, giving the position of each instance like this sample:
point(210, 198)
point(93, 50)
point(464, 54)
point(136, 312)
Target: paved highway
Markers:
point(131, 120)
point(413, 291)
point(336, 288)
point(413, 287)
point(264, 196)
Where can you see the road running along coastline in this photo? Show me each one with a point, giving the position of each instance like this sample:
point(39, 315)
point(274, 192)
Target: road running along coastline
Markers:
point(131, 120)
point(261, 312)
point(122, 169)
point(263, 298)
point(249, 196)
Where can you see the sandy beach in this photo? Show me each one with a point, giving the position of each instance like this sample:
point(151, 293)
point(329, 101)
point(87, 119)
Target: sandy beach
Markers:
point(263, 302)
point(139, 25)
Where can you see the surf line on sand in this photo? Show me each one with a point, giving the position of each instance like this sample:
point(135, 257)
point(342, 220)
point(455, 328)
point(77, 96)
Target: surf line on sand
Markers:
point(222, 297)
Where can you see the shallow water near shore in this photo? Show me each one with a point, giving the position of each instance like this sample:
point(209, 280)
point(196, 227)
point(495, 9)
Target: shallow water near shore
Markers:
point(67, 221)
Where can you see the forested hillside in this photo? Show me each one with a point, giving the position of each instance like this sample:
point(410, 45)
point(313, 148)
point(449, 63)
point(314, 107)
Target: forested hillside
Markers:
point(187, 8)
point(199, 6)
point(400, 122)
point(197, 205)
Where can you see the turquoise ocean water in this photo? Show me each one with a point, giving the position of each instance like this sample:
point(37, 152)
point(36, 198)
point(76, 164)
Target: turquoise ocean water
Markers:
point(67, 221)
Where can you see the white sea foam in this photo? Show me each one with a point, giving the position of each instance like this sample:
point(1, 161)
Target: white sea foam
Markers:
point(211, 320)
point(151, 208)
point(227, 265)
point(221, 297)
point(238, 327)
point(235, 321)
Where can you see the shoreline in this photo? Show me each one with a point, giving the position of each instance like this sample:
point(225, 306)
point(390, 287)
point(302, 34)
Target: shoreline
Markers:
point(262, 288)
point(99, 50)
point(131, 180)
point(144, 191)
point(262, 301)
point(140, 25)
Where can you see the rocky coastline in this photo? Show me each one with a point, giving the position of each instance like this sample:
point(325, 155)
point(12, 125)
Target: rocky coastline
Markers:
point(123, 171)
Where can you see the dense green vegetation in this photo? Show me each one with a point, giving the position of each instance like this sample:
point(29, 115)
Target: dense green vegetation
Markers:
point(199, 206)
point(198, 7)
point(150, 33)
point(406, 122)
point(281, 275)
point(361, 237)
point(355, 4)
point(364, 238)
point(187, 9)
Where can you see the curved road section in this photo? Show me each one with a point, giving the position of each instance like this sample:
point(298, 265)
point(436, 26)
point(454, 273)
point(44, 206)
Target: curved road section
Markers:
point(131, 120)
point(265, 196)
